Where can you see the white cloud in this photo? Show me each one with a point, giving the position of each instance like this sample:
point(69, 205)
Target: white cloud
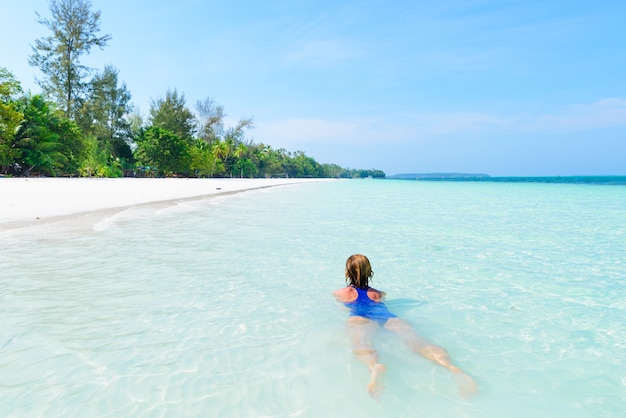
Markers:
point(458, 122)
point(399, 128)
point(605, 113)
point(311, 130)
point(415, 127)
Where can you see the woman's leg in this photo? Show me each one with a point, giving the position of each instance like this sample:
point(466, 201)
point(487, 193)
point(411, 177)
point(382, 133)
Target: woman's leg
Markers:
point(432, 352)
point(361, 331)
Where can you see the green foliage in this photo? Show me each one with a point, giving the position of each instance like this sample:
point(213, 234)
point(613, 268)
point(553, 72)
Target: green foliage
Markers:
point(73, 145)
point(303, 166)
point(331, 170)
point(245, 167)
point(163, 151)
point(37, 137)
point(90, 164)
point(99, 163)
point(104, 112)
point(9, 85)
point(104, 116)
point(48, 142)
point(171, 113)
point(74, 29)
point(10, 116)
point(269, 161)
point(361, 174)
point(203, 163)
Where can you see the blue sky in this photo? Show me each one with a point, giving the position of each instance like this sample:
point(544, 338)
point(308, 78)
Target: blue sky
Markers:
point(499, 87)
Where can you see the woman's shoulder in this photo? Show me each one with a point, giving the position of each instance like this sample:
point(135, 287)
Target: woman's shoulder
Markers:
point(375, 294)
point(345, 294)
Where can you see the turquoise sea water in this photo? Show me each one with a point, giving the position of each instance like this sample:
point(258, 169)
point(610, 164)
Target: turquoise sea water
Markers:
point(223, 307)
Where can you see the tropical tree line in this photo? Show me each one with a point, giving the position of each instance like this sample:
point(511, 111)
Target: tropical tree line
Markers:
point(83, 122)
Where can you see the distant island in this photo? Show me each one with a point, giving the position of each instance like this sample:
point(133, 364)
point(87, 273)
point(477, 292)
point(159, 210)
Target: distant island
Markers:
point(479, 177)
point(437, 176)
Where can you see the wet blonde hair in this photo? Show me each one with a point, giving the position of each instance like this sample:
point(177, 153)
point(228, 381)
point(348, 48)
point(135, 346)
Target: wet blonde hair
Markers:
point(358, 271)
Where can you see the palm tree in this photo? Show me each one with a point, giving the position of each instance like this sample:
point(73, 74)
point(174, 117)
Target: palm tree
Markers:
point(220, 151)
point(37, 144)
point(238, 153)
point(39, 148)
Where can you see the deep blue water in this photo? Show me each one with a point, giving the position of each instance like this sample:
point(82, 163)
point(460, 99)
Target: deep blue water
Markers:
point(599, 180)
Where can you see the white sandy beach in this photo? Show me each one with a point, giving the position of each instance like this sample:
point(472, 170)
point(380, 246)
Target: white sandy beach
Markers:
point(36, 200)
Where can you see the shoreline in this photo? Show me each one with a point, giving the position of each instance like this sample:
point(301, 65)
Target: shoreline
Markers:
point(27, 202)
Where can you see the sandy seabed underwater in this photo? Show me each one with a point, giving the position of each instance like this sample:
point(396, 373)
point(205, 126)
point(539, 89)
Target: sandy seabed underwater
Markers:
point(223, 307)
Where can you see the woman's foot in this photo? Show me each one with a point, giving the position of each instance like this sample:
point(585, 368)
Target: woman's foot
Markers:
point(376, 386)
point(467, 386)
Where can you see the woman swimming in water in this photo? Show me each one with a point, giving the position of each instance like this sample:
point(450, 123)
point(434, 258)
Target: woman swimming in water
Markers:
point(368, 312)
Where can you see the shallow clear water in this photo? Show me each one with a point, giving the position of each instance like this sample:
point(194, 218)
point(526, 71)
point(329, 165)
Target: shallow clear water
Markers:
point(223, 307)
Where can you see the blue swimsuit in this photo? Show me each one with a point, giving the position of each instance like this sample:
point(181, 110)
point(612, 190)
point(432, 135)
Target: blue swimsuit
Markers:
point(367, 308)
